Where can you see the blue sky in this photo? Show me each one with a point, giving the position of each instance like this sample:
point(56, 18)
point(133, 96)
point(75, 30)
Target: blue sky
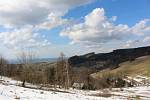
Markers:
point(49, 27)
point(127, 11)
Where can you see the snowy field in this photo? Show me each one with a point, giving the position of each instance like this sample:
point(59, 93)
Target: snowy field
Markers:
point(9, 90)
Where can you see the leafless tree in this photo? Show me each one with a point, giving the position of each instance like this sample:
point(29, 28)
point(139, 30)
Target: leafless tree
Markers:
point(62, 72)
point(68, 73)
point(26, 60)
point(3, 64)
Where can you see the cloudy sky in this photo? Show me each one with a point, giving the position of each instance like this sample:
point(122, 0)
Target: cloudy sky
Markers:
point(74, 27)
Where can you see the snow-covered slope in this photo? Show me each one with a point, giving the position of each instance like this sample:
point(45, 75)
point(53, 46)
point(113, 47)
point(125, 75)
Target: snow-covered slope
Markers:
point(10, 91)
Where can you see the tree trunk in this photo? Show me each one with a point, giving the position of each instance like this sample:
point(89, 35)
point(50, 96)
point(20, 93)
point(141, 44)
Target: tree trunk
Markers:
point(23, 83)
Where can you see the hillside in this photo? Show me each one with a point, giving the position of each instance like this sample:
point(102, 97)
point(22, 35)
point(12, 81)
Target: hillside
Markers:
point(108, 60)
point(11, 90)
point(140, 66)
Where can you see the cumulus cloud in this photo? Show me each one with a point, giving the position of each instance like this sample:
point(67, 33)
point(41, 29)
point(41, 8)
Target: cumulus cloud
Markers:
point(17, 15)
point(146, 39)
point(52, 22)
point(97, 29)
point(22, 12)
point(141, 28)
point(131, 43)
point(22, 39)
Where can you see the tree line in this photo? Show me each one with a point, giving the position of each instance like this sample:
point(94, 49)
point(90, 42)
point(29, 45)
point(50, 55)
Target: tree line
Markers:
point(58, 74)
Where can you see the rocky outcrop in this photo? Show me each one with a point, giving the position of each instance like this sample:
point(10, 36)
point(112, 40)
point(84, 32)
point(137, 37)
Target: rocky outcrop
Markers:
point(108, 60)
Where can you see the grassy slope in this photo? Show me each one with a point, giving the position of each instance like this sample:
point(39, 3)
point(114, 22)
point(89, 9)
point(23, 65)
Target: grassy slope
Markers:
point(140, 66)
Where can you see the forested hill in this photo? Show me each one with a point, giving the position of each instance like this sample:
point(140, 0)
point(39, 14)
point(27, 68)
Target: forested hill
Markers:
point(108, 60)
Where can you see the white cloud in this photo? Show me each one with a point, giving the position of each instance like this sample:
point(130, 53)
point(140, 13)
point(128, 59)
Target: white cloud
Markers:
point(136, 43)
point(22, 39)
point(52, 22)
point(95, 18)
point(22, 12)
point(141, 28)
point(146, 39)
point(17, 15)
point(131, 43)
point(97, 29)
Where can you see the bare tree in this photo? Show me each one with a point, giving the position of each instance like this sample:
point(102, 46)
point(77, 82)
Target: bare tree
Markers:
point(26, 60)
point(67, 72)
point(50, 75)
point(25, 57)
point(3, 63)
point(62, 71)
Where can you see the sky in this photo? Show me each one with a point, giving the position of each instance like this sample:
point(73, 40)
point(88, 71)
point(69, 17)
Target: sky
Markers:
point(74, 27)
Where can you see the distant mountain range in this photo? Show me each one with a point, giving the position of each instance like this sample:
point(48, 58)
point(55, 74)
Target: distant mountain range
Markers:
point(38, 60)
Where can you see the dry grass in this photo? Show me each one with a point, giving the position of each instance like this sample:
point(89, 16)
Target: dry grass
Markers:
point(138, 66)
